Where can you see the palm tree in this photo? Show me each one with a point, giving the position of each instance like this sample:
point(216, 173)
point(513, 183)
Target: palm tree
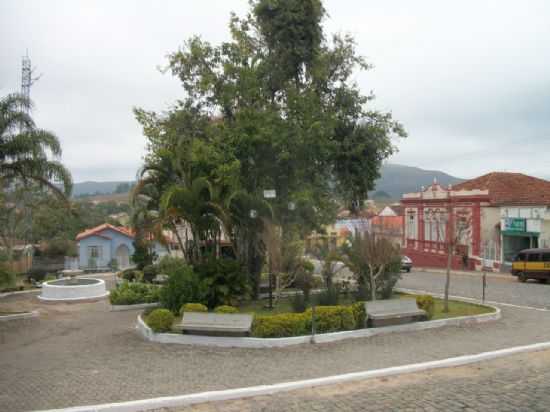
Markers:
point(24, 148)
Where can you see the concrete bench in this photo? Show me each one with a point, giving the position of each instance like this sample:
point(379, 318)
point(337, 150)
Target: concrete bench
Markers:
point(393, 312)
point(216, 324)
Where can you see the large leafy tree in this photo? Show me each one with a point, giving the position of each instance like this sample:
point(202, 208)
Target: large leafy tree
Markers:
point(275, 107)
point(25, 149)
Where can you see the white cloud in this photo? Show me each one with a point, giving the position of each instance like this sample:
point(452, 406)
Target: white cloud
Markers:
point(468, 79)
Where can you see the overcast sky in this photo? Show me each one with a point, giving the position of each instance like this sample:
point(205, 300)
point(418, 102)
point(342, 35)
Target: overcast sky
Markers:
point(470, 80)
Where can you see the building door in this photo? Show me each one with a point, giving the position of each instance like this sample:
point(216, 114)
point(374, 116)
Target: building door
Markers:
point(123, 256)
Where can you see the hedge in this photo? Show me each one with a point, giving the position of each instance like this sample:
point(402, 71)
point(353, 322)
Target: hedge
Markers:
point(160, 320)
point(226, 309)
point(193, 307)
point(281, 326)
point(134, 293)
point(327, 319)
point(359, 314)
point(332, 318)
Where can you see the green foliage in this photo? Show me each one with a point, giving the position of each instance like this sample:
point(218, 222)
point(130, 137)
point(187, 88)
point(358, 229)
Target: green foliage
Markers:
point(224, 281)
point(359, 314)
point(327, 319)
point(132, 275)
point(329, 297)
point(299, 303)
point(134, 293)
point(143, 255)
point(333, 318)
point(226, 309)
point(149, 273)
point(193, 307)
point(60, 247)
point(289, 117)
point(168, 264)
point(183, 286)
point(282, 325)
point(160, 320)
point(427, 303)
point(7, 277)
point(26, 151)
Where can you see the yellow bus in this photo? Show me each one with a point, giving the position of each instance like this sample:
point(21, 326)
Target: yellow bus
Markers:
point(532, 264)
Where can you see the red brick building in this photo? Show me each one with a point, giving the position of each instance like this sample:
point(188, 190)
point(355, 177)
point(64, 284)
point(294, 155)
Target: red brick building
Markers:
point(487, 220)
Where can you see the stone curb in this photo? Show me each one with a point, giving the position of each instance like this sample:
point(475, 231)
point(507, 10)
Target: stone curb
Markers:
point(240, 393)
point(258, 343)
point(24, 315)
point(19, 292)
point(119, 308)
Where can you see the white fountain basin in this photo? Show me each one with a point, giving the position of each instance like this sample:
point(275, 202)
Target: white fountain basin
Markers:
point(73, 289)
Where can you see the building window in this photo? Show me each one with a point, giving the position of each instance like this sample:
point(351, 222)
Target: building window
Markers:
point(95, 252)
point(411, 226)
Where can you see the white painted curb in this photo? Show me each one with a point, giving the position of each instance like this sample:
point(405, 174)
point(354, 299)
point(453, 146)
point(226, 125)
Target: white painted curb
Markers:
point(25, 315)
point(246, 342)
point(117, 308)
point(19, 292)
point(224, 395)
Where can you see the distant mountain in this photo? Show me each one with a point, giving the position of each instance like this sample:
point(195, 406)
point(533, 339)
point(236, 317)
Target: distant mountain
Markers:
point(394, 181)
point(398, 179)
point(97, 188)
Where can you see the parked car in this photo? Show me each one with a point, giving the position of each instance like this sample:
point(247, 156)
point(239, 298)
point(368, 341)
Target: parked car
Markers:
point(406, 263)
point(532, 264)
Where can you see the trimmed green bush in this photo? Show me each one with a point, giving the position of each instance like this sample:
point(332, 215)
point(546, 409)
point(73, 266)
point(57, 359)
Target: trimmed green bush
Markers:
point(281, 325)
point(332, 318)
point(132, 293)
point(327, 319)
point(224, 281)
point(183, 286)
point(193, 307)
point(427, 303)
point(359, 314)
point(226, 309)
point(160, 320)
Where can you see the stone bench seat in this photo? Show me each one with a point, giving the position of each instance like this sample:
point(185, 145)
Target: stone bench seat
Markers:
point(216, 324)
point(393, 312)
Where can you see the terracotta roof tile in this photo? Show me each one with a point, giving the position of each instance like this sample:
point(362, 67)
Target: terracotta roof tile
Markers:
point(510, 188)
point(96, 231)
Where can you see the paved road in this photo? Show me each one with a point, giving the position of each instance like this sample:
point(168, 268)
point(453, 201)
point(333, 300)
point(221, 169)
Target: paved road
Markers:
point(519, 383)
point(499, 290)
point(77, 354)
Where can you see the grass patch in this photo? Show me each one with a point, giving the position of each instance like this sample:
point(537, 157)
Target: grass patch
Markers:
point(456, 308)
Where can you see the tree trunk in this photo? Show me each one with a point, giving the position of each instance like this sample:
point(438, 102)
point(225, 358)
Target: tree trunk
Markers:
point(372, 286)
point(448, 278)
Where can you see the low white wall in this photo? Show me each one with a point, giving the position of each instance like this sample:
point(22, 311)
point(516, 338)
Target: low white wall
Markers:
point(320, 338)
point(52, 292)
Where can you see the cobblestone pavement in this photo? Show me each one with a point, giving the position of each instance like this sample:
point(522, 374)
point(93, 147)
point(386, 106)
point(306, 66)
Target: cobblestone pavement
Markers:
point(499, 290)
point(79, 354)
point(518, 383)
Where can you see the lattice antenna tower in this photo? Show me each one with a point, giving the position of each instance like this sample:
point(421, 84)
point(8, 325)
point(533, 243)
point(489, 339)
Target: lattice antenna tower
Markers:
point(27, 79)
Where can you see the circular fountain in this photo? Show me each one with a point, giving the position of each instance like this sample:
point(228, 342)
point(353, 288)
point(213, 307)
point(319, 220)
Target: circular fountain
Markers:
point(72, 289)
